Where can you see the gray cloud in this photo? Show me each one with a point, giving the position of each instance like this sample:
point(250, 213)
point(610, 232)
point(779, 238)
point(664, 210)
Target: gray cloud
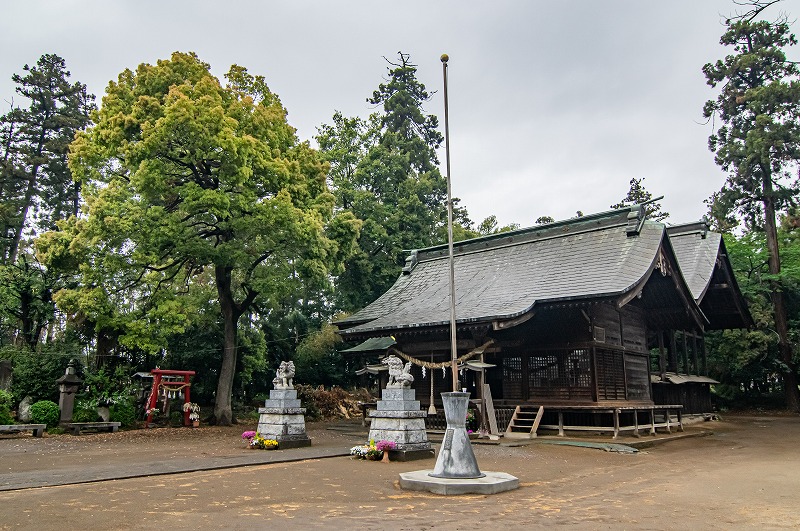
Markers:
point(554, 106)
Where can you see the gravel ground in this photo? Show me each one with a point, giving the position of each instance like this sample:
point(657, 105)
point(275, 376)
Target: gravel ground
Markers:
point(744, 476)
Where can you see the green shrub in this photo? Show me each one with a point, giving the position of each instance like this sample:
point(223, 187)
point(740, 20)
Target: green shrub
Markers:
point(125, 413)
point(6, 401)
point(176, 418)
point(84, 411)
point(45, 412)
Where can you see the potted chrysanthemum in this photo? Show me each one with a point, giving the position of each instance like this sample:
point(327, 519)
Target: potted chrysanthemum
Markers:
point(194, 413)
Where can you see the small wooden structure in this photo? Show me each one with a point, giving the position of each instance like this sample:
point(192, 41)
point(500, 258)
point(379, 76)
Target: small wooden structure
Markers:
point(169, 384)
point(578, 316)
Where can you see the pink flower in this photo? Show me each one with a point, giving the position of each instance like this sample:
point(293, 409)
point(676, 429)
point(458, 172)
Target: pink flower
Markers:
point(382, 446)
point(248, 435)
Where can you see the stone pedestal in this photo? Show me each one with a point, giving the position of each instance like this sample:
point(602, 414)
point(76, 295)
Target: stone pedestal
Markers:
point(283, 420)
point(398, 418)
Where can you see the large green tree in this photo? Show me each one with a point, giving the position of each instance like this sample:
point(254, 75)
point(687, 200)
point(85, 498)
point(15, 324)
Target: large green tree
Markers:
point(182, 175)
point(758, 143)
point(384, 170)
point(748, 362)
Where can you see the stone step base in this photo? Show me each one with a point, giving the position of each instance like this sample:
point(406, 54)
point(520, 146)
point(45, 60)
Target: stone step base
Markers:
point(285, 443)
point(411, 455)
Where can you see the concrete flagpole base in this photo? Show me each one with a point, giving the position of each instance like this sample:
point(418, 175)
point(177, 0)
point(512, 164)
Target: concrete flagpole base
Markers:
point(456, 470)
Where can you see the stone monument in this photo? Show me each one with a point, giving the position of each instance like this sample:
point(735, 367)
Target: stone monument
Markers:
point(282, 418)
point(398, 417)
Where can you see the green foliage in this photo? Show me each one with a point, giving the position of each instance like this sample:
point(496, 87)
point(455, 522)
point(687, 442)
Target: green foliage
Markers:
point(45, 412)
point(191, 182)
point(318, 363)
point(748, 362)
point(123, 412)
point(638, 194)
point(84, 411)
point(758, 105)
point(106, 386)
point(6, 399)
point(35, 183)
point(175, 418)
point(758, 145)
point(35, 373)
point(490, 225)
point(6, 404)
point(26, 303)
point(384, 171)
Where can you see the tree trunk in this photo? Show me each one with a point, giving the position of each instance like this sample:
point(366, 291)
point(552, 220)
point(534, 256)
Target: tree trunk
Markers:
point(223, 412)
point(778, 302)
point(104, 350)
point(15, 242)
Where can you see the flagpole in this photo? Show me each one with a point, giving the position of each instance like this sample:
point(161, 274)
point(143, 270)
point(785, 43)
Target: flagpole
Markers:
point(453, 351)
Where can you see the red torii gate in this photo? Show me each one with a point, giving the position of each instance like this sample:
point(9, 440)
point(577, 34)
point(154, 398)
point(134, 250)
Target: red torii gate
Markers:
point(169, 386)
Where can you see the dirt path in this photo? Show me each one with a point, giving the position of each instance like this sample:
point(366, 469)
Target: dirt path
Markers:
point(745, 476)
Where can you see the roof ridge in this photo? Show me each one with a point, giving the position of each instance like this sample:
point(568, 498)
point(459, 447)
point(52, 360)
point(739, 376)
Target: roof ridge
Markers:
point(547, 231)
point(554, 224)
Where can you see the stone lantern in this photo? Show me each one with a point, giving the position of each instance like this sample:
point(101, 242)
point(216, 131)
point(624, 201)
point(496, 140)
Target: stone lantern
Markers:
point(68, 385)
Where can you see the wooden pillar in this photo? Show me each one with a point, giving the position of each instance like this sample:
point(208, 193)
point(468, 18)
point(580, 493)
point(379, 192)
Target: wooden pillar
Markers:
point(703, 352)
point(687, 356)
point(673, 351)
point(595, 386)
point(662, 356)
point(526, 392)
point(695, 365)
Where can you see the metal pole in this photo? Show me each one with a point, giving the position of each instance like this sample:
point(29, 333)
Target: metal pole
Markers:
point(453, 351)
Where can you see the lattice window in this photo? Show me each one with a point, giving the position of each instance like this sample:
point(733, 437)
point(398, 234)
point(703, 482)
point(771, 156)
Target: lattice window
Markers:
point(610, 375)
point(512, 377)
point(560, 374)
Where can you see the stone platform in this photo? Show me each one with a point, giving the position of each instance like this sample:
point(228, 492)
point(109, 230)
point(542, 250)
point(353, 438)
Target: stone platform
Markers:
point(283, 420)
point(490, 483)
point(398, 418)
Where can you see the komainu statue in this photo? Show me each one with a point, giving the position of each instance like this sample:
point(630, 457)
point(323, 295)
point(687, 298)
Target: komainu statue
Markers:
point(284, 375)
point(399, 375)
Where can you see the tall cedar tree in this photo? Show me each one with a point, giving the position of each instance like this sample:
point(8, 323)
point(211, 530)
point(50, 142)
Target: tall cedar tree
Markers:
point(392, 183)
point(758, 143)
point(184, 175)
point(34, 177)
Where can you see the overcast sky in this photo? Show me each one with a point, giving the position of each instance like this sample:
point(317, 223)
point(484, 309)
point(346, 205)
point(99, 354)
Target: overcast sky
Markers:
point(554, 105)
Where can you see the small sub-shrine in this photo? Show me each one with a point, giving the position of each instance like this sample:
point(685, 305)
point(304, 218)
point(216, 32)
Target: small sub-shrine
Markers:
point(169, 385)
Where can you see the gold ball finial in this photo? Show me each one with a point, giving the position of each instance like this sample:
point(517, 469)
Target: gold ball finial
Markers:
point(444, 57)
